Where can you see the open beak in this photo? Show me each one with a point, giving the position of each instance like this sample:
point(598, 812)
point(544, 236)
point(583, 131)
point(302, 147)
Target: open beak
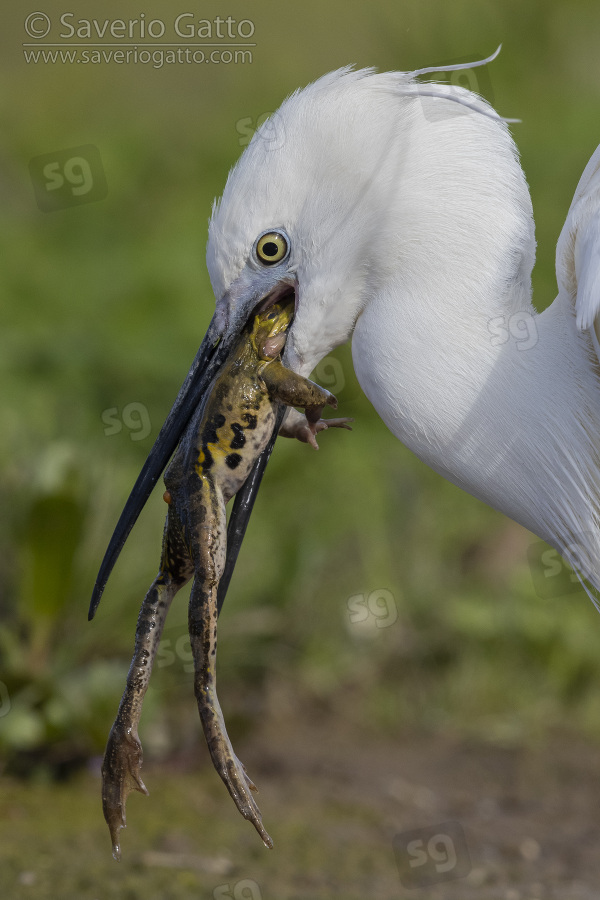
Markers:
point(218, 342)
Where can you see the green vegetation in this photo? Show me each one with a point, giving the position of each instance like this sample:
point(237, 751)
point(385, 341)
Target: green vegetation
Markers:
point(104, 306)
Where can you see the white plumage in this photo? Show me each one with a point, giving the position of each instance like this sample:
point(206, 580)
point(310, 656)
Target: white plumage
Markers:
point(411, 232)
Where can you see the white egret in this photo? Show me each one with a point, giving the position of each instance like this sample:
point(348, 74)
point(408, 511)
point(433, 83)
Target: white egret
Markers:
point(401, 219)
point(411, 232)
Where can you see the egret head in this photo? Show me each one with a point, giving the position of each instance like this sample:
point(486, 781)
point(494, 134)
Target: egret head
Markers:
point(304, 211)
point(326, 184)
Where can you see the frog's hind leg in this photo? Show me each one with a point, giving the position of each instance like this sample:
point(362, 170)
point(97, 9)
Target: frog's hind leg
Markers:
point(123, 756)
point(209, 560)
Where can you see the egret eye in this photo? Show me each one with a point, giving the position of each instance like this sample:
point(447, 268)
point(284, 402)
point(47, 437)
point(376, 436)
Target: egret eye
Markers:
point(271, 248)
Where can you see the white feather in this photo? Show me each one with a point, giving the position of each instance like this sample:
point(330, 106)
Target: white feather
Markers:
point(578, 249)
point(412, 233)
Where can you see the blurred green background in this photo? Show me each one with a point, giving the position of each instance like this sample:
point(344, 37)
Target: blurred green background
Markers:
point(368, 589)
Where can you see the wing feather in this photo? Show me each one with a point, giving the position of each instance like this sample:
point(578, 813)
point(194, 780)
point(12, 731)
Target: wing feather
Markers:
point(578, 249)
point(587, 272)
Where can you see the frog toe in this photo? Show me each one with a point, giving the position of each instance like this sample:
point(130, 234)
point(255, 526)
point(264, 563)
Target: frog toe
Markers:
point(322, 424)
point(239, 784)
point(250, 811)
point(120, 775)
point(249, 781)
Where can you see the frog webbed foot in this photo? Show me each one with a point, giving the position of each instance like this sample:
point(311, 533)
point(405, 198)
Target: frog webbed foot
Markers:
point(297, 426)
point(120, 775)
point(240, 786)
point(233, 772)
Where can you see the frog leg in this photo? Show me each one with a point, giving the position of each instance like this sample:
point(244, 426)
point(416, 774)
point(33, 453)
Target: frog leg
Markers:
point(294, 390)
point(123, 755)
point(295, 425)
point(209, 549)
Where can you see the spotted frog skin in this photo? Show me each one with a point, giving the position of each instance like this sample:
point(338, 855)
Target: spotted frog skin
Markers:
point(214, 458)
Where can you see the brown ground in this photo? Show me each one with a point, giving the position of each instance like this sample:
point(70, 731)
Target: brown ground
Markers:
point(531, 818)
point(334, 800)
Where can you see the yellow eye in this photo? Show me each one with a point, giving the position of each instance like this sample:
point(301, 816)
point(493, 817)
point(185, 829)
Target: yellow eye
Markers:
point(271, 248)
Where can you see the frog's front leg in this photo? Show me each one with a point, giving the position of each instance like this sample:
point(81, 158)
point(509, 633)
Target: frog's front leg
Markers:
point(294, 390)
point(123, 755)
point(295, 425)
point(210, 548)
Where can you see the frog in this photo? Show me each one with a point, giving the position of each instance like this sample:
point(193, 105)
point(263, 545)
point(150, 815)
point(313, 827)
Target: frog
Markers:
point(213, 459)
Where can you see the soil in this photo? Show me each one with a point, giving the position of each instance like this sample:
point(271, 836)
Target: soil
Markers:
point(484, 821)
point(352, 815)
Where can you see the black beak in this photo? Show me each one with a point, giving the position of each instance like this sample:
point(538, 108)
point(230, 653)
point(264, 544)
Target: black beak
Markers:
point(213, 352)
